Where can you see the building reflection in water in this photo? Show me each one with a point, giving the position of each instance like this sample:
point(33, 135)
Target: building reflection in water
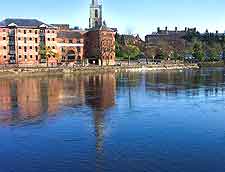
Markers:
point(190, 82)
point(31, 99)
point(100, 93)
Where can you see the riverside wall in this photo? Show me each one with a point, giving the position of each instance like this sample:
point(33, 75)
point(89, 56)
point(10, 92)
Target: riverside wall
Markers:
point(21, 71)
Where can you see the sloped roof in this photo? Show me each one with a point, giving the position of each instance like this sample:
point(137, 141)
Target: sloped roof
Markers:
point(69, 34)
point(23, 22)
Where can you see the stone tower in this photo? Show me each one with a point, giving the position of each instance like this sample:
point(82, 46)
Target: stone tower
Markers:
point(95, 20)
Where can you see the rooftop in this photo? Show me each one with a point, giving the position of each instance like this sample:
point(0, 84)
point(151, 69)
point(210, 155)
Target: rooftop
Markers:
point(70, 34)
point(23, 23)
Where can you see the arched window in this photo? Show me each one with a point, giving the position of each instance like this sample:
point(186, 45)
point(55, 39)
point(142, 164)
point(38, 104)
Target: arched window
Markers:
point(71, 55)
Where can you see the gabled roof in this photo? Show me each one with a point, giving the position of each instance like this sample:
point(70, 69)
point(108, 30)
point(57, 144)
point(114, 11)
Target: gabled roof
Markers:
point(23, 23)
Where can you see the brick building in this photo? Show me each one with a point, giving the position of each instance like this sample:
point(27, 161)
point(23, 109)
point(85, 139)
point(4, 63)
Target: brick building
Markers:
point(172, 37)
point(100, 46)
point(21, 41)
point(29, 41)
point(71, 45)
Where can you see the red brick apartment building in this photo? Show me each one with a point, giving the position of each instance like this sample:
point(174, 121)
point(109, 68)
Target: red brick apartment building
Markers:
point(29, 41)
point(21, 40)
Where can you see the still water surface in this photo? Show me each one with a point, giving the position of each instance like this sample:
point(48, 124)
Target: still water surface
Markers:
point(128, 122)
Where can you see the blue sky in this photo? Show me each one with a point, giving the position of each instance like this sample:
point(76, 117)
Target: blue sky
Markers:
point(136, 16)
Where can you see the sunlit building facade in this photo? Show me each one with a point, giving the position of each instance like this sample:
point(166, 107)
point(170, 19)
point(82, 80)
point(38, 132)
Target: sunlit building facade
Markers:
point(30, 41)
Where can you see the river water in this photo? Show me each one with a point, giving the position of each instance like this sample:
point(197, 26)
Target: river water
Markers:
point(130, 122)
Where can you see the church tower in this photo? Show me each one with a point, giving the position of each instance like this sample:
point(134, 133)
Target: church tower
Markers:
point(95, 20)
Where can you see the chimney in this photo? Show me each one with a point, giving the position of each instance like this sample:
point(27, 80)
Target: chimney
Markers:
point(176, 29)
point(158, 29)
point(166, 28)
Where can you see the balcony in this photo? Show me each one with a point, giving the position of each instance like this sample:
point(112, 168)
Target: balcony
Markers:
point(12, 52)
point(11, 43)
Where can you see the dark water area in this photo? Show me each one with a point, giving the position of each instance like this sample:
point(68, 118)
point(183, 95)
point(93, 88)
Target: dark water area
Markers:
point(130, 122)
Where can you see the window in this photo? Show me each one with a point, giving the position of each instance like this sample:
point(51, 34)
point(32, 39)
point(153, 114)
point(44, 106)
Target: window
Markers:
point(78, 41)
point(19, 30)
point(48, 31)
point(25, 40)
point(31, 56)
point(36, 32)
point(3, 30)
point(19, 38)
point(25, 57)
point(53, 31)
point(49, 47)
point(36, 40)
point(25, 49)
point(53, 47)
point(96, 13)
point(48, 39)
point(70, 41)
point(20, 56)
point(36, 49)
point(78, 49)
point(31, 47)
point(4, 38)
point(37, 57)
point(53, 39)
point(25, 32)
point(20, 47)
point(4, 57)
point(4, 48)
point(30, 39)
point(30, 31)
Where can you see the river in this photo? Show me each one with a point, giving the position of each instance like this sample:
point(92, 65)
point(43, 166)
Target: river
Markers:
point(126, 122)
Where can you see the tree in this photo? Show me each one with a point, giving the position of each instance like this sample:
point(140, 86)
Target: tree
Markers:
point(214, 52)
point(150, 52)
point(131, 52)
point(47, 52)
point(198, 52)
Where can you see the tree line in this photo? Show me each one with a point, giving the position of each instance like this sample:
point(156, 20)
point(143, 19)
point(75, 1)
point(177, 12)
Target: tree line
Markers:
point(193, 46)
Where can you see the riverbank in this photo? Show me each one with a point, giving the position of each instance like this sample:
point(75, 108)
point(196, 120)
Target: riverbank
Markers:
point(23, 71)
point(212, 64)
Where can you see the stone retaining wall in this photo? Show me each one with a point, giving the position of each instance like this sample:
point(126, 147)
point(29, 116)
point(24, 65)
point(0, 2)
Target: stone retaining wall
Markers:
point(6, 71)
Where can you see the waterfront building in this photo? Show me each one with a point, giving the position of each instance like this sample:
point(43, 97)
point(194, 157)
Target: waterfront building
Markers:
point(21, 41)
point(172, 37)
point(30, 41)
point(100, 46)
point(71, 45)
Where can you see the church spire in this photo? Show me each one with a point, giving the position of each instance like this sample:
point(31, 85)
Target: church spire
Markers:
point(95, 20)
point(94, 2)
